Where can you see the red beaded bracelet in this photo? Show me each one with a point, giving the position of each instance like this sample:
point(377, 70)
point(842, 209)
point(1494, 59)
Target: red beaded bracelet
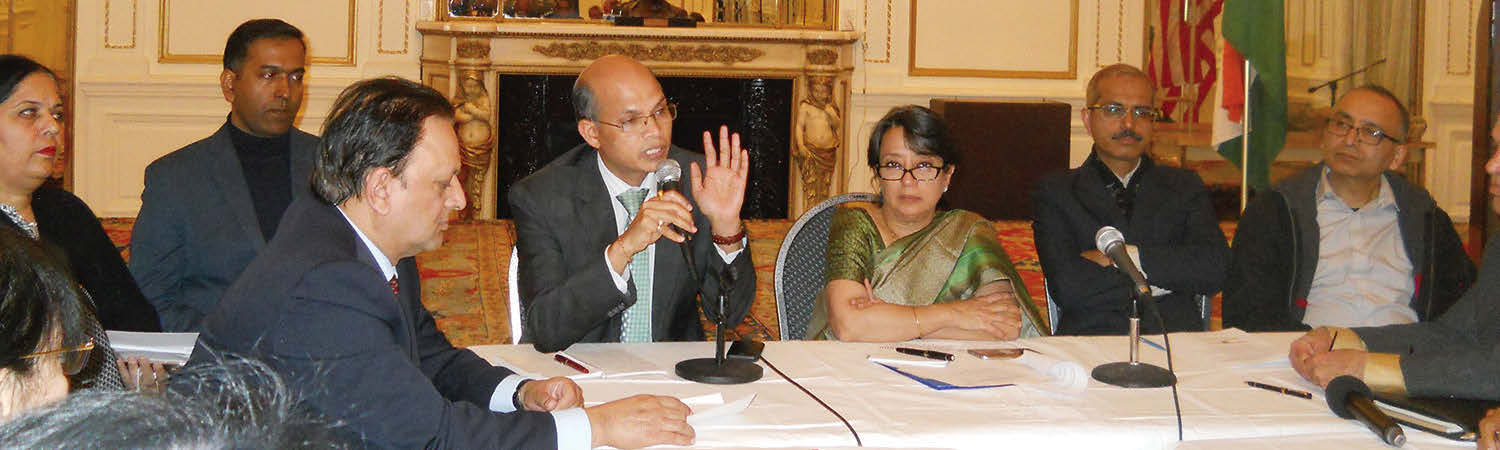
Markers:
point(726, 240)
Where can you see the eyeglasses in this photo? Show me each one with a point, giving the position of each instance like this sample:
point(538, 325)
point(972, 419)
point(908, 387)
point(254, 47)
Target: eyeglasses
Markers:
point(635, 124)
point(1115, 111)
point(73, 358)
point(894, 171)
point(1366, 135)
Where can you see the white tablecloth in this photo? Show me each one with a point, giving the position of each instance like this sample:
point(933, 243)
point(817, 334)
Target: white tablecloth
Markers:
point(892, 411)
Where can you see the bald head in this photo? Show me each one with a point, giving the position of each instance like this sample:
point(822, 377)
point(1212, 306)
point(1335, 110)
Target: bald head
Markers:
point(610, 73)
point(611, 97)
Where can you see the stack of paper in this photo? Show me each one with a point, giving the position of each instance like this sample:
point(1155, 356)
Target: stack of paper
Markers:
point(164, 348)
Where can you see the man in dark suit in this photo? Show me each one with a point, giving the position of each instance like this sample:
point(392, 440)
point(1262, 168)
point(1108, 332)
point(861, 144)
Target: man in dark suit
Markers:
point(209, 207)
point(333, 302)
point(591, 228)
point(1164, 212)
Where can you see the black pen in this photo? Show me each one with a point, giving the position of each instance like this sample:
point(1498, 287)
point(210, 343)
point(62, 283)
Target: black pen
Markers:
point(1287, 391)
point(1333, 339)
point(929, 354)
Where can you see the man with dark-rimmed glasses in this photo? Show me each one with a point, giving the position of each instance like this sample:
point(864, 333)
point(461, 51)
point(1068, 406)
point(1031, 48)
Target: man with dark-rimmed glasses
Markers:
point(1164, 212)
point(1347, 242)
point(598, 244)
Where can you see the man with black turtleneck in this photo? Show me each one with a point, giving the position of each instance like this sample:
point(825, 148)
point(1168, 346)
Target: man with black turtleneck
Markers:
point(209, 208)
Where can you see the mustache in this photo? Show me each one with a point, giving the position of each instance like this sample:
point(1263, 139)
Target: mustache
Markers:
point(1128, 134)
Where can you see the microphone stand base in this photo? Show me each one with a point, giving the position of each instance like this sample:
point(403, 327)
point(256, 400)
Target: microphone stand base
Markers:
point(709, 371)
point(1128, 375)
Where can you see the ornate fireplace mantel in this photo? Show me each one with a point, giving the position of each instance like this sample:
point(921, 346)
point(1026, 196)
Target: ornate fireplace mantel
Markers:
point(461, 59)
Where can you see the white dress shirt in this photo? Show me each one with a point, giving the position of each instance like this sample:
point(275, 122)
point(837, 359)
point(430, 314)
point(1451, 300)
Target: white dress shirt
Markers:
point(1364, 276)
point(573, 430)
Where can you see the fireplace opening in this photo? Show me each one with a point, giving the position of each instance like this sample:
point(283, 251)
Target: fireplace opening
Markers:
point(536, 124)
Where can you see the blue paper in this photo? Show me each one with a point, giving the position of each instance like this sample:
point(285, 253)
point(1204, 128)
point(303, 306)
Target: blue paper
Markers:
point(939, 384)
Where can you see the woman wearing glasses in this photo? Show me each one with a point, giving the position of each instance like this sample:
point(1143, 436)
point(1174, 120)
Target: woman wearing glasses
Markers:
point(31, 129)
point(902, 269)
point(44, 319)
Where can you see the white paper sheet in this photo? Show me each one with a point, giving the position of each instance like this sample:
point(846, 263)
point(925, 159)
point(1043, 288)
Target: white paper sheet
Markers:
point(165, 348)
point(706, 409)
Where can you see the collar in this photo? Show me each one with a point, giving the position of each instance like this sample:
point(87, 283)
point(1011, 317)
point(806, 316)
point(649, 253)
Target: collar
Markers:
point(1383, 199)
point(386, 268)
point(616, 186)
point(246, 141)
point(1107, 175)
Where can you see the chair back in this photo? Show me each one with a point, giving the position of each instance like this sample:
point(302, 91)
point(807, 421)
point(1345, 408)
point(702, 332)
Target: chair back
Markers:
point(515, 298)
point(801, 262)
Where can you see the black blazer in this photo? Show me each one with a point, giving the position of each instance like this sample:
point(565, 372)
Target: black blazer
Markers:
point(74, 236)
point(564, 221)
point(315, 306)
point(197, 228)
point(1173, 225)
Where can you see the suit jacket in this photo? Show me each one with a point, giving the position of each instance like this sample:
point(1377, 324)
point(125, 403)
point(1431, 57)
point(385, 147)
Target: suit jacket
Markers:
point(315, 306)
point(564, 221)
point(65, 221)
point(1458, 354)
point(1173, 225)
point(1276, 249)
point(197, 228)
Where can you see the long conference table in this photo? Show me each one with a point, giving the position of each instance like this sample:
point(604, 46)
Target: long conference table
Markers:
point(890, 410)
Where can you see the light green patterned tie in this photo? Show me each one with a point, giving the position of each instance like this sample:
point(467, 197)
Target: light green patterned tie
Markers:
point(638, 317)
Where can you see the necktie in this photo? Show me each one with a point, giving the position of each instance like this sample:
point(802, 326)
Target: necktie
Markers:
point(637, 320)
point(395, 287)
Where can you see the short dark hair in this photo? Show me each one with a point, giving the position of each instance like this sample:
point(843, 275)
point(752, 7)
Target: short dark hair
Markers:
point(14, 68)
point(238, 46)
point(234, 403)
point(373, 123)
point(1388, 95)
point(584, 106)
point(38, 300)
point(926, 134)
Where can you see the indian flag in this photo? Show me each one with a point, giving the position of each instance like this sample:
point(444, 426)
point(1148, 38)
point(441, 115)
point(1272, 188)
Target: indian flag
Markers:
point(1253, 32)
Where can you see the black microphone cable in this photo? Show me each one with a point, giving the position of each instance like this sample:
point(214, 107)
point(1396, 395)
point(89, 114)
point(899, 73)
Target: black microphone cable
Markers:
point(1167, 342)
point(857, 441)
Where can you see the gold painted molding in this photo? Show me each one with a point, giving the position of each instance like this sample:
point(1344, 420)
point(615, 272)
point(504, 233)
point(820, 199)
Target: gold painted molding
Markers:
point(822, 56)
point(405, 30)
point(165, 56)
point(474, 48)
point(724, 54)
point(133, 12)
point(1071, 73)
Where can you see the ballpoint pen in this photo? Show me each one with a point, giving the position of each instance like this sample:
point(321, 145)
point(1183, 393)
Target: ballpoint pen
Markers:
point(929, 354)
point(566, 361)
point(1287, 391)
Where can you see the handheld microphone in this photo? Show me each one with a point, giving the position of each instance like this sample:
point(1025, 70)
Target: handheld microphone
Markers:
point(1112, 244)
point(1350, 398)
point(669, 178)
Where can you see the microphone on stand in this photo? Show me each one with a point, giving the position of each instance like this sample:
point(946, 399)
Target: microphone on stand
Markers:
point(718, 369)
point(1350, 398)
point(1133, 373)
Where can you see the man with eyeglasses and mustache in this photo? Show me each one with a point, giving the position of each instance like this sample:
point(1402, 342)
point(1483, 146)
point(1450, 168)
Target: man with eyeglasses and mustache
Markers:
point(1164, 212)
point(210, 207)
point(599, 246)
point(1347, 242)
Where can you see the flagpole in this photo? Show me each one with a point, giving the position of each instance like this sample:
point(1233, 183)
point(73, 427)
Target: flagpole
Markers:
point(1245, 145)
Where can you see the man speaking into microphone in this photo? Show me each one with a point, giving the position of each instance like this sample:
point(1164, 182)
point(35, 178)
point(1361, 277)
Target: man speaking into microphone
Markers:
point(595, 233)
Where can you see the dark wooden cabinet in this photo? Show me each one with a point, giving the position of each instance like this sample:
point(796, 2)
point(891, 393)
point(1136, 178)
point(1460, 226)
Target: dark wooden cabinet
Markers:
point(1004, 148)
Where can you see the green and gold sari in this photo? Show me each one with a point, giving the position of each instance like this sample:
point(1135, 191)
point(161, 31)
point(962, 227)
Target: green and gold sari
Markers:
point(949, 260)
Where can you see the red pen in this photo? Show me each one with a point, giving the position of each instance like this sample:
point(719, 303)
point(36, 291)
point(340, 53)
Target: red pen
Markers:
point(566, 361)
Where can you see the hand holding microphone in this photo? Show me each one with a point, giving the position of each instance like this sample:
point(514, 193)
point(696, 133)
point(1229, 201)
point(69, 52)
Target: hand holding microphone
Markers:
point(667, 214)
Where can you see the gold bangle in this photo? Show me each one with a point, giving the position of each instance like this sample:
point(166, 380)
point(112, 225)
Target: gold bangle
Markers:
point(917, 320)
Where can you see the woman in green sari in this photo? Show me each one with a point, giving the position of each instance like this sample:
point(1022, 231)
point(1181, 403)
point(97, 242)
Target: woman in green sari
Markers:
point(901, 269)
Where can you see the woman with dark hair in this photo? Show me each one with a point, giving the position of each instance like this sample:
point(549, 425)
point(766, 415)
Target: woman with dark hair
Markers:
point(45, 325)
point(31, 125)
point(901, 269)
